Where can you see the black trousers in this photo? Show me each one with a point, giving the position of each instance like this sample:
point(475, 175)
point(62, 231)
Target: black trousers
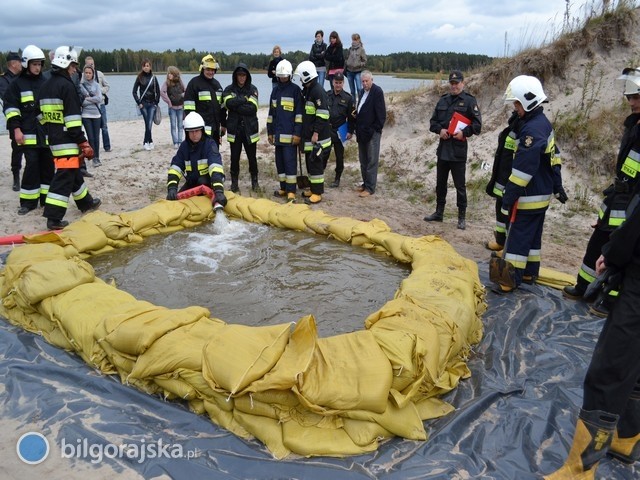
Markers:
point(502, 220)
point(594, 248)
point(236, 149)
point(66, 182)
point(37, 176)
point(615, 365)
point(458, 173)
point(338, 148)
point(315, 168)
point(16, 157)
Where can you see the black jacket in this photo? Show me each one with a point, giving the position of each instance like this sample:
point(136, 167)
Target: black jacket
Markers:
point(371, 114)
point(341, 109)
point(334, 57)
point(453, 150)
point(271, 69)
point(21, 108)
point(205, 97)
point(152, 94)
point(316, 55)
point(241, 104)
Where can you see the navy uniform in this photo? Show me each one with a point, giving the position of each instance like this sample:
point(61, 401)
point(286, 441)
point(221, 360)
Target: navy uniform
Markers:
point(341, 110)
point(21, 109)
point(241, 104)
point(284, 128)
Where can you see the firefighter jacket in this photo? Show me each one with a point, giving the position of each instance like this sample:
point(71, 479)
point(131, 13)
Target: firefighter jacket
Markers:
point(316, 116)
point(22, 110)
point(285, 113)
point(623, 249)
point(612, 212)
point(341, 109)
point(503, 158)
point(61, 114)
point(452, 150)
point(196, 160)
point(532, 175)
point(241, 104)
point(205, 97)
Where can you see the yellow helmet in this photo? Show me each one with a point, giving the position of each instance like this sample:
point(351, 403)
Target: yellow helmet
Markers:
point(208, 61)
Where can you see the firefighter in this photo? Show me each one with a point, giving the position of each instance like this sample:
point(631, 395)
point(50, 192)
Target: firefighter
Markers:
point(531, 182)
point(316, 130)
point(21, 110)
point(240, 99)
point(12, 71)
point(284, 128)
point(61, 116)
point(198, 161)
point(204, 95)
point(341, 111)
point(609, 420)
point(612, 211)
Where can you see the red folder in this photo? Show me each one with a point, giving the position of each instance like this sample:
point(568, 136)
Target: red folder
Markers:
point(458, 122)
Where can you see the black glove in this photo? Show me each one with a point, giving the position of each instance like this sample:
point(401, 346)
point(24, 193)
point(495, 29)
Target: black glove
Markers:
point(560, 194)
point(172, 193)
point(219, 199)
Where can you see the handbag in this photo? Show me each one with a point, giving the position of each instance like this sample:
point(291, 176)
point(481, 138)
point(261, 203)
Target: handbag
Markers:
point(333, 71)
point(157, 117)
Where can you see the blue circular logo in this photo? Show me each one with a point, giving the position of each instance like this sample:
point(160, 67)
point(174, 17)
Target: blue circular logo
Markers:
point(32, 448)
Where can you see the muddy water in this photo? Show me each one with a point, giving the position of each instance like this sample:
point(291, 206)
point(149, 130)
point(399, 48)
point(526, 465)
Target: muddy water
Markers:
point(256, 275)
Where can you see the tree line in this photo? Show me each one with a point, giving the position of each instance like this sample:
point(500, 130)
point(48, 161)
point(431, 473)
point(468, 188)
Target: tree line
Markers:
point(128, 61)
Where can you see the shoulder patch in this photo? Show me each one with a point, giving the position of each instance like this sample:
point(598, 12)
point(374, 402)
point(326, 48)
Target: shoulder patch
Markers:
point(528, 141)
point(319, 102)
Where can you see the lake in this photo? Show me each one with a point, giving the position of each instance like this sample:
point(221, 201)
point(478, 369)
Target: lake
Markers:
point(122, 107)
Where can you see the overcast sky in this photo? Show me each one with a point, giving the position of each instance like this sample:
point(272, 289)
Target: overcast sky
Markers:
point(471, 26)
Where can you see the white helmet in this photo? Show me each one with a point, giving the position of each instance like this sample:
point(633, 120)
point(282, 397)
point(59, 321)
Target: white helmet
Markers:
point(284, 69)
point(31, 52)
point(193, 121)
point(65, 56)
point(306, 71)
point(629, 81)
point(527, 90)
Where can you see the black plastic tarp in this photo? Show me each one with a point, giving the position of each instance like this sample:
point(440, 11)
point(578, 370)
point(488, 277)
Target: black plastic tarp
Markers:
point(514, 417)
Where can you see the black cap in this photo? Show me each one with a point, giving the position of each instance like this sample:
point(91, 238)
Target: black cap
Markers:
point(338, 76)
point(13, 56)
point(456, 76)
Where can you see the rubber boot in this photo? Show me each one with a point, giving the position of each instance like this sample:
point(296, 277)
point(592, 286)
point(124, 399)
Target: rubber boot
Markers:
point(462, 214)
point(591, 440)
point(336, 181)
point(626, 439)
point(234, 184)
point(254, 182)
point(436, 216)
point(16, 182)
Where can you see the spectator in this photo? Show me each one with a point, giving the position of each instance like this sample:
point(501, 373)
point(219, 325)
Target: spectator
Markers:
point(146, 93)
point(356, 62)
point(241, 102)
point(370, 118)
point(172, 92)
point(334, 56)
point(204, 96)
point(452, 149)
point(316, 55)
point(104, 87)
point(14, 67)
point(91, 118)
point(271, 70)
point(341, 114)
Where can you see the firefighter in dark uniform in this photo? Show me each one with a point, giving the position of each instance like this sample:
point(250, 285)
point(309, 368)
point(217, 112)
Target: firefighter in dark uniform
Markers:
point(21, 110)
point(452, 149)
point(204, 95)
point(240, 100)
point(502, 164)
point(61, 116)
point(609, 420)
point(9, 75)
point(530, 185)
point(284, 128)
point(316, 130)
point(198, 160)
point(341, 111)
point(612, 211)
